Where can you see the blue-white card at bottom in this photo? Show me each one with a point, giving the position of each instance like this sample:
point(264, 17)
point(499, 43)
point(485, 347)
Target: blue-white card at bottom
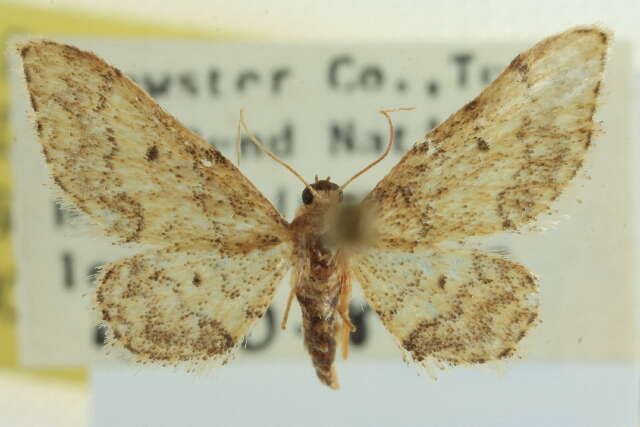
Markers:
point(372, 394)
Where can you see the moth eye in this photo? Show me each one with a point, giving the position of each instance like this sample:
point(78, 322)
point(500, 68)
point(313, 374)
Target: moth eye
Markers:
point(307, 196)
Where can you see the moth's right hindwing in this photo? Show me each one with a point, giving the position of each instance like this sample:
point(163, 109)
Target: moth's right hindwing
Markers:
point(451, 306)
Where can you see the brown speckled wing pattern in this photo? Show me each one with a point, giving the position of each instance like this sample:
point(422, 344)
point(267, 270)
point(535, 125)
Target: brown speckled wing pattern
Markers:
point(495, 165)
point(178, 304)
point(221, 247)
point(504, 157)
point(453, 305)
point(133, 168)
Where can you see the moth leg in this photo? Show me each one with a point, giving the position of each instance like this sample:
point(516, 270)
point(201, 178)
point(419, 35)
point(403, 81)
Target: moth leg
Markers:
point(343, 311)
point(285, 317)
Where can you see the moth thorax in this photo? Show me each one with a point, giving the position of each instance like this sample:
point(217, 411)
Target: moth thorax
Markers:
point(348, 226)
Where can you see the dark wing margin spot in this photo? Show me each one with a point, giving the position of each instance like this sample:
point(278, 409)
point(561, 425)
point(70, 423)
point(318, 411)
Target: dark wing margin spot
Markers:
point(507, 224)
point(34, 105)
point(197, 280)
point(442, 280)
point(152, 154)
point(482, 144)
point(24, 51)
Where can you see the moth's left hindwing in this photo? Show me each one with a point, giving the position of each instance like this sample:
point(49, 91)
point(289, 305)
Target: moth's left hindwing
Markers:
point(179, 304)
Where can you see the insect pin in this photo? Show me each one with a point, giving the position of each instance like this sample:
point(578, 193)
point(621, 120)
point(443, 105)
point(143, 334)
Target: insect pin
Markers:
point(219, 247)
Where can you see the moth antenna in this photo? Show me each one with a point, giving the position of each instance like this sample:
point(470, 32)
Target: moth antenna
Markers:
point(392, 140)
point(264, 149)
point(238, 143)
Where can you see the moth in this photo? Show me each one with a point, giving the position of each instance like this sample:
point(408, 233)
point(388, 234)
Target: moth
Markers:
point(217, 248)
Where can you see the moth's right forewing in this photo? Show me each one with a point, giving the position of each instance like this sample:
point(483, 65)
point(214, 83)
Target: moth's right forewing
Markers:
point(179, 304)
point(501, 160)
point(133, 168)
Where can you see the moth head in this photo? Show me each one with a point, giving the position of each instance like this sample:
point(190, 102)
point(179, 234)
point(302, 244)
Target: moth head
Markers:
point(327, 192)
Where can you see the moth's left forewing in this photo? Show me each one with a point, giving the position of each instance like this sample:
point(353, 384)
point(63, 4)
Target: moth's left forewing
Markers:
point(503, 158)
point(130, 166)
